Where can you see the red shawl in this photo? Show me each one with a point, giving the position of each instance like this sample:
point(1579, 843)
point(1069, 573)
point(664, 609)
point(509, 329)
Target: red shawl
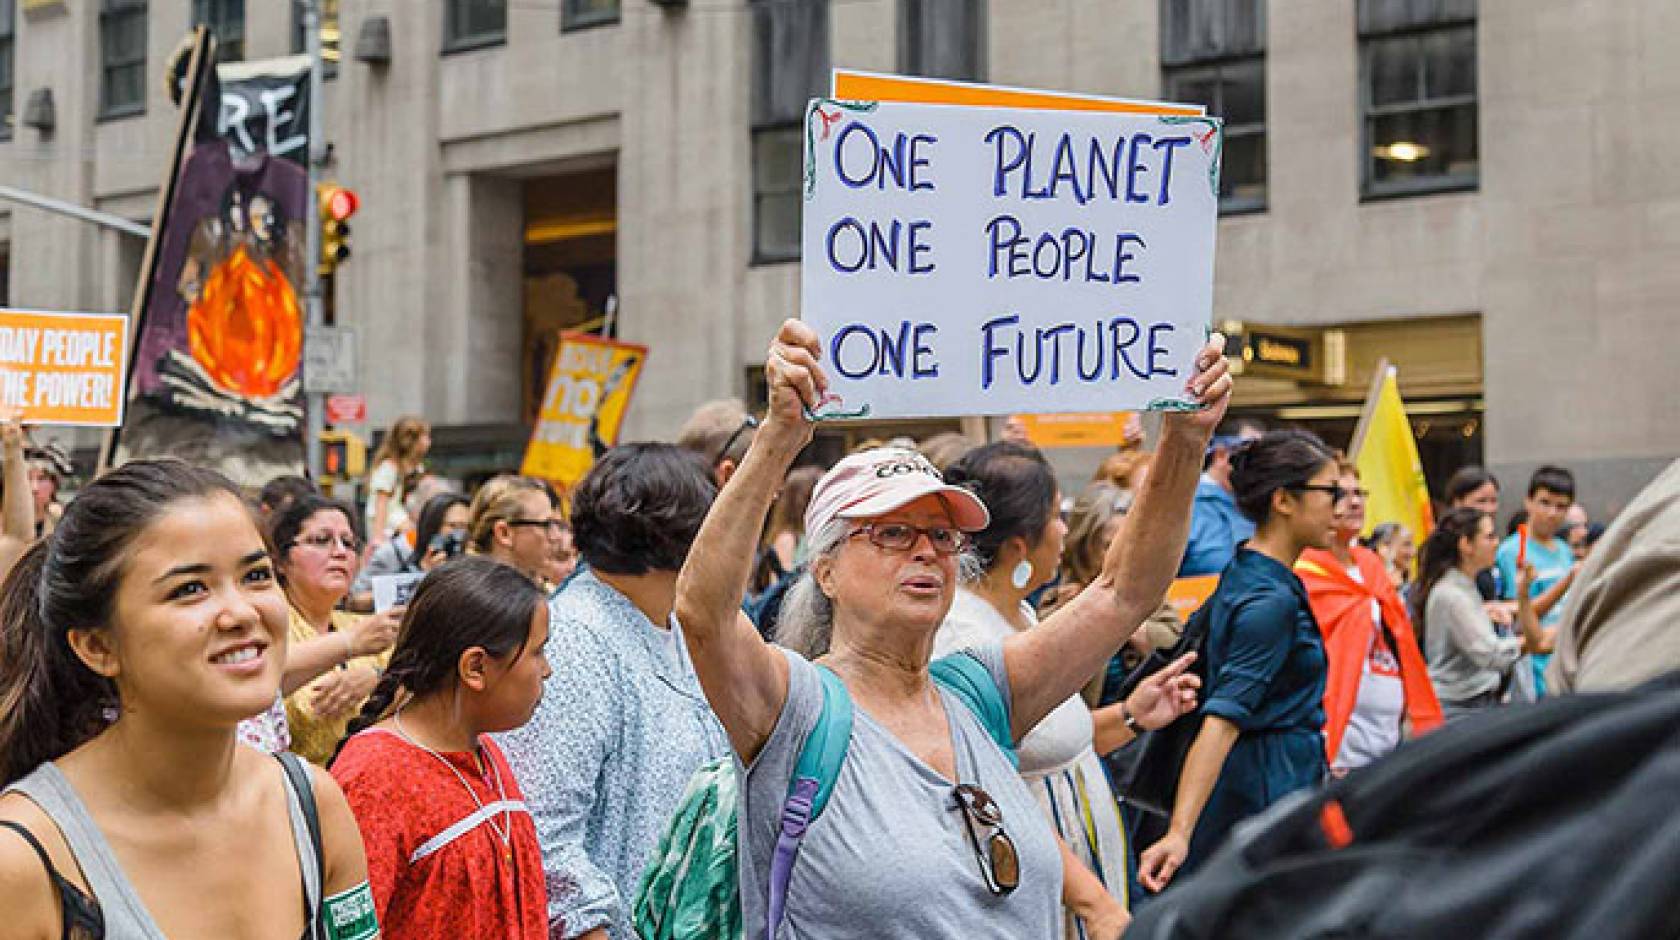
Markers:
point(1342, 607)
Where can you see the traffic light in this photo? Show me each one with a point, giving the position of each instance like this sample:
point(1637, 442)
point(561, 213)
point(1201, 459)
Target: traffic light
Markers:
point(337, 204)
point(343, 455)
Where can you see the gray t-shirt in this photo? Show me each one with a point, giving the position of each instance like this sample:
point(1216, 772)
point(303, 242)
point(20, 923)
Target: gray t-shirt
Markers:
point(890, 856)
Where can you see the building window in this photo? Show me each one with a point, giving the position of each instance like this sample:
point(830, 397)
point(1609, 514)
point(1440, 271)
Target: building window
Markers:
point(579, 14)
point(1417, 96)
point(470, 24)
point(942, 38)
point(122, 58)
point(226, 19)
point(1213, 53)
point(789, 67)
point(329, 35)
point(8, 45)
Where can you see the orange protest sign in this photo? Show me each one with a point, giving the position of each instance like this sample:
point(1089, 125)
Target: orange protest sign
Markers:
point(63, 368)
point(588, 391)
point(1077, 429)
point(851, 85)
point(1187, 594)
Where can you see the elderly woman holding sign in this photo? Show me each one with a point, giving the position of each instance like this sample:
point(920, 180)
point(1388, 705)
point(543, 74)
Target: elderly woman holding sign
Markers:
point(927, 830)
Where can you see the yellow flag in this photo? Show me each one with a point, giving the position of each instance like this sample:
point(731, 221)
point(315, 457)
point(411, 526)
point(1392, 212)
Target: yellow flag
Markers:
point(1389, 466)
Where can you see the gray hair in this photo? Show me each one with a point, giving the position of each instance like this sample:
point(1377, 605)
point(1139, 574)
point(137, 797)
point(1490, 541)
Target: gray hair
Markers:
point(806, 624)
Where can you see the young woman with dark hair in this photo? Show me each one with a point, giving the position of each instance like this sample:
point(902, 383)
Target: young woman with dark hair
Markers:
point(132, 643)
point(622, 724)
point(1019, 551)
point(451, 848)
point(1470, 658)
point(1263, 714)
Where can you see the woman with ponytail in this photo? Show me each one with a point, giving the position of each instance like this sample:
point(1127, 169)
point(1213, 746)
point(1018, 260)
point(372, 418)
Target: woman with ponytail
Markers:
point(1470, 659)
point(133, 641)
point(452, 851)
point(1018, 553)
point(1262, 716)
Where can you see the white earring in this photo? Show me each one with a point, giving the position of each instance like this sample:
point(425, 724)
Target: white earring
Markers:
point(1022, 575)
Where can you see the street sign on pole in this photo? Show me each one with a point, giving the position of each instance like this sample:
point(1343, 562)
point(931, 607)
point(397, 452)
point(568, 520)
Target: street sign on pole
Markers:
point(346, 409)
point(329, 359)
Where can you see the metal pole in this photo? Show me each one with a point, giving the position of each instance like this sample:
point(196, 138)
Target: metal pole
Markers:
point(60, 207)
point(312, 223)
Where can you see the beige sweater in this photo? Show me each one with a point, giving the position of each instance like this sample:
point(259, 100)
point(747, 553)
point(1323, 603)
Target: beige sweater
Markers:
point(1621, 623)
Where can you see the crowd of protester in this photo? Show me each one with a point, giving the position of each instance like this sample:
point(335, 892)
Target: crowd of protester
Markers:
point(588, 695)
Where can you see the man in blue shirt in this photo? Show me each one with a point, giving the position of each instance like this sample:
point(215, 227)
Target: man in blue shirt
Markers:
point(1217, 526)
point(1551, 491)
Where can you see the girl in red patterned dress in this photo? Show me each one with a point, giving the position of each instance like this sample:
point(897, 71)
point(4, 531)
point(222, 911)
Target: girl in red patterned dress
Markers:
point(452, 851)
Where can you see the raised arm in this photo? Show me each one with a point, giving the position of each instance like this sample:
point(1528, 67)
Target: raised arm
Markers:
point(744, 678)
point(1052, 662)
point(1536, 639)
point(17, 514)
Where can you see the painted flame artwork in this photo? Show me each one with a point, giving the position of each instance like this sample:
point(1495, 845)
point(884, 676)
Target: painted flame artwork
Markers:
point(245, 328)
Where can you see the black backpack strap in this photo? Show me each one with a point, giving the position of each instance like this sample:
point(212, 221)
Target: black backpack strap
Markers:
point(303, 784)
point(78, 910)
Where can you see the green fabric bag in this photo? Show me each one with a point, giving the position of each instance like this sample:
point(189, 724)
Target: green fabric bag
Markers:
point(689, 890)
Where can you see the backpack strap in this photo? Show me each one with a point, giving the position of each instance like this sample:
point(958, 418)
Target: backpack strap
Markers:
point(814, 776)
point(964, 676)
point(303, 786)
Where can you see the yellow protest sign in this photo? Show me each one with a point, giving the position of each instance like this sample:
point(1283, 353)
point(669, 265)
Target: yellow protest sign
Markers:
point(63, 368)
point(853, 85)
point(589, 389)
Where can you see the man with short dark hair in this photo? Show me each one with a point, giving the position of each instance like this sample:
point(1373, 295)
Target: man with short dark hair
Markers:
point(1551, 491)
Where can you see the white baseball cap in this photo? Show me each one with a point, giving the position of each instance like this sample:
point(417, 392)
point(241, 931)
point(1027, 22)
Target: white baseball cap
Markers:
point(875, 482)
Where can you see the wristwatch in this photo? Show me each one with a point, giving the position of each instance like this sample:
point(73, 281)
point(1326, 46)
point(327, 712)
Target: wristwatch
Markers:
point(1130, 720)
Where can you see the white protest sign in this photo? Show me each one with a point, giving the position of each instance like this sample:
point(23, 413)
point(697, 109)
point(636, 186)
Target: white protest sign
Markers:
point(963, 261)
point(389, 590)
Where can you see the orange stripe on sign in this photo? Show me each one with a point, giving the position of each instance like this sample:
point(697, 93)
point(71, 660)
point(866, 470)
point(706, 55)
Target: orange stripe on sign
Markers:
point(1334, 822)
point(869, 86)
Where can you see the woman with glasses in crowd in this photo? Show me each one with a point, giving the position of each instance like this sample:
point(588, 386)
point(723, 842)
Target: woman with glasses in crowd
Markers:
point(1262, 711)
point(317, 551)
point(1020, 551)
point(516, 521)
point(930, 831)
point(1377, 684)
